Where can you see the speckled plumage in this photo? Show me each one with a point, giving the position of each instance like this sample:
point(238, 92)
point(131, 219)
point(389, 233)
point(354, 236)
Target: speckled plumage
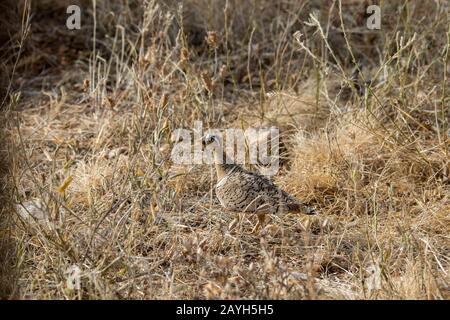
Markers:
point(243, 191)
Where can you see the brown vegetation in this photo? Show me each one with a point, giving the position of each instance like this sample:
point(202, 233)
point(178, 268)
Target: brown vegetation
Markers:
point(364, 120)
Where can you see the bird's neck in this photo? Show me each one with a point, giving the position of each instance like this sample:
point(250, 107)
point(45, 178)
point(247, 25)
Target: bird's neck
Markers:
point(223, 164)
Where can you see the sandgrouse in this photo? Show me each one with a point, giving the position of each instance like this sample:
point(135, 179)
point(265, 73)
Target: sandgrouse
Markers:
point(240, 190)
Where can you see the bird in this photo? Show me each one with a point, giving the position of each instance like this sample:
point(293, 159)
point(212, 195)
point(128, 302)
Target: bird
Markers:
point(240, 190)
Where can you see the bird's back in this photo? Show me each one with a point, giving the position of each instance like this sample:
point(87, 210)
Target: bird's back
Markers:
point(242, 190)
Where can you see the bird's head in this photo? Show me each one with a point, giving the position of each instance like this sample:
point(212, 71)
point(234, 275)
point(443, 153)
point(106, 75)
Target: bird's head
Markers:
point(209, 139)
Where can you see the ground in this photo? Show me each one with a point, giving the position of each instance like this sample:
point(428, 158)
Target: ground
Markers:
point(95, 208)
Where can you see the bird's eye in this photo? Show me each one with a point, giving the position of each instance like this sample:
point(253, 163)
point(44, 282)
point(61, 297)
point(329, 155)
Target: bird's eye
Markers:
point(209, 139)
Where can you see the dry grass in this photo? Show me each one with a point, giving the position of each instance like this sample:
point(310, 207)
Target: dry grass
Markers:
point(89, 124)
